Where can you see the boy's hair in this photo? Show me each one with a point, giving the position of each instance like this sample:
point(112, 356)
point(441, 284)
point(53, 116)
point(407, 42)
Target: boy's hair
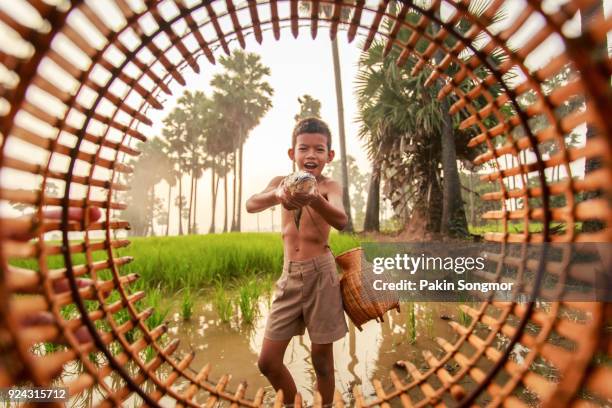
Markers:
point(311, 125)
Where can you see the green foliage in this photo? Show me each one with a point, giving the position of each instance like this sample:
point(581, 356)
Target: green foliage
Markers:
point(223, 304)
point(202, 260)
point(155, 300)
point(149, 169)
point(248, 296)
point(411, 321)
point(309, 107)
point(464, 318)
point(401, 120)
point(187, 302)
point(168, 264)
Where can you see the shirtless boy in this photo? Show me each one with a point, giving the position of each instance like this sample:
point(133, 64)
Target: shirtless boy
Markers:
point(308, 291)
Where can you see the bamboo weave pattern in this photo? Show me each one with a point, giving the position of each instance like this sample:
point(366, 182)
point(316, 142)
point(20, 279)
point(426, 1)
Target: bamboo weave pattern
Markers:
point(82, 128)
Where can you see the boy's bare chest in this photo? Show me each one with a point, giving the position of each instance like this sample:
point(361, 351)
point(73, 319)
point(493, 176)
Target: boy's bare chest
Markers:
point(311, 223)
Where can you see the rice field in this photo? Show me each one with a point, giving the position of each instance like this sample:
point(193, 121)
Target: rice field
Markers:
point(202, 261)
point(196, 262)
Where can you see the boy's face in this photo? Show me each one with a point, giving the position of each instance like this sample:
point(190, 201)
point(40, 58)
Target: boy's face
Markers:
point(310, 153)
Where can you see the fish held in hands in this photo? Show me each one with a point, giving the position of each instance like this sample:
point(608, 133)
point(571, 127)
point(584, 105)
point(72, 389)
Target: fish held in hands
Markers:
point(299, 182)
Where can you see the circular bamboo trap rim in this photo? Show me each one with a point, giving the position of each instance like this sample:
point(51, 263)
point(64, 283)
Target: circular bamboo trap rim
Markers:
point(102, 128)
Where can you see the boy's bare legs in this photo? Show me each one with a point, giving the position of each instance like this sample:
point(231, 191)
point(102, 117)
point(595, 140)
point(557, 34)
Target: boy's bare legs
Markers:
point(271, 365)
point(323, 362)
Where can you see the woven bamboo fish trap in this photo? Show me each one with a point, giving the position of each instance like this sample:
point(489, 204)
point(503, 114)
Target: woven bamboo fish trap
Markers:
point(361, 302)
point(80, 119)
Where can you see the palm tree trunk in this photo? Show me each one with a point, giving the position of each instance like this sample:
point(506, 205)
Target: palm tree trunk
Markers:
point(239, 201)
point(152, 214)
point(453, 213)
point(190, 204)
point(169, 207)
point(345, 183)
point(195, 206)
point(225, 193)
point(372, 215)
point(233, 227)
point(216, 191)
point(471, 187)
point(180, 217)
point(211, 230)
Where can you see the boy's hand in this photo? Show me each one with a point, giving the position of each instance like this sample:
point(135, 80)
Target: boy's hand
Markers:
point(292, 201)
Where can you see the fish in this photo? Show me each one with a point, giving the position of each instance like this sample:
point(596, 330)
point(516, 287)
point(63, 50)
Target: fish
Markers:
point(299, 182)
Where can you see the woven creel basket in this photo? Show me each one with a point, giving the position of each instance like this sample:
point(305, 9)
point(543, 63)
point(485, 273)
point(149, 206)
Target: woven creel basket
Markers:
point(361, 302)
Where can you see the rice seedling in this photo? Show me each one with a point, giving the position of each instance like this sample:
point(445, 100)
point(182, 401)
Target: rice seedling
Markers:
point(187, 304)
point(222, 304)
point(428, 320)
point(411, 322)
point(464, 318)
point(154, 299)
point(248, 296)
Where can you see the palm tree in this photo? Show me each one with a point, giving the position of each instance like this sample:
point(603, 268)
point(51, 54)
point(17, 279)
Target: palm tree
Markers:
point(175, 124)
point(144, 206)
point(410, 136)
point(227, 165)
point(309, 107)
point(170, 175)
point(185, 129)
point(327, 10)
point(246, 94)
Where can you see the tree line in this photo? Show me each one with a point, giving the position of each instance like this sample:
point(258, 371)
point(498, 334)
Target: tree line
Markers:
point(203, 132)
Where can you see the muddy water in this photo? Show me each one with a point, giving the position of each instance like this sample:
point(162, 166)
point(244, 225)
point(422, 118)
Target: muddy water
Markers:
point(232, 347)
point(358, 358)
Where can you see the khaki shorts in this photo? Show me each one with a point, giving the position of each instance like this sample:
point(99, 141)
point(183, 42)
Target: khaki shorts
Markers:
point(308, 295)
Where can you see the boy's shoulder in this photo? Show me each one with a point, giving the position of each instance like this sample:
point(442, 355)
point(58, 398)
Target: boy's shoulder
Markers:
point(328, 182)
point(276, 180)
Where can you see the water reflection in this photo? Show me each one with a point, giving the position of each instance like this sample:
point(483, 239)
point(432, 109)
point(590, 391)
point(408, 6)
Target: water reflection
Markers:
point(358, 357)
point(233, 348)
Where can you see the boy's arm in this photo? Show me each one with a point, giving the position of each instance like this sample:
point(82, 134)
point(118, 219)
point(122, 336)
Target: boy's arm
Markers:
point(332, 209)
point(272, 195)
point(266, 199)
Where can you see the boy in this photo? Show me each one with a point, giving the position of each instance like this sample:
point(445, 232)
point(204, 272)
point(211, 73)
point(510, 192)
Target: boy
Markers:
point(308, 291)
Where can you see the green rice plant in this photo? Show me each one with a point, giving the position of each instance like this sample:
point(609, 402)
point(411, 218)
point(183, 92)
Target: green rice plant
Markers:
point(160, 309)
point(222, 304)
point(464, 318)
point(411, 322)
point(196, 261)
point(428, 320)
point(52, 347)
point(202, 260)
point(248, 298)
point(187, 304)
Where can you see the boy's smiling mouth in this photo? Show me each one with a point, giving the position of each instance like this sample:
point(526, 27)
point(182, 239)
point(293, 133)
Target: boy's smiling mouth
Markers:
point(310, 166)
